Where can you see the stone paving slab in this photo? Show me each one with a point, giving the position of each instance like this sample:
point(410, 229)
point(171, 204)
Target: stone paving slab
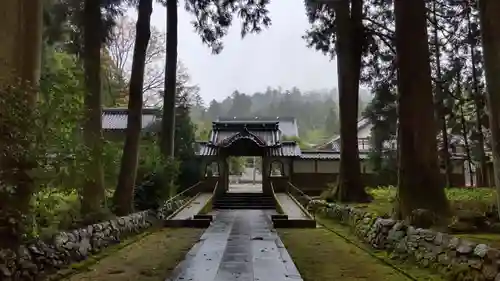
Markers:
point(291, 208)
point(240, 245)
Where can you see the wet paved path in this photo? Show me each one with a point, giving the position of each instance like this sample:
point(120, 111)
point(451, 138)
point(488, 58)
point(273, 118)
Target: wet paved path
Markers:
point(240, 245)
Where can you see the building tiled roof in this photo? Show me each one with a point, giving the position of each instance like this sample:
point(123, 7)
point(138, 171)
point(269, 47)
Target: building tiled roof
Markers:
point(266, 134)
point(334, 143)
point(286, 149)
point(116, 118)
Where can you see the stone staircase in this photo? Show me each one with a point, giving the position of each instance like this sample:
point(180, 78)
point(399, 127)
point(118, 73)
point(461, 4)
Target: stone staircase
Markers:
point(255, 201)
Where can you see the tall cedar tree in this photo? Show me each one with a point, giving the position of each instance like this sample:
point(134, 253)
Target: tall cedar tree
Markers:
point(93, 191)
point(20, 53)
point(345, 38)
point(124, 193)
point(490, 28)
point(168, 123)
point(419, 184)
point(481, 171)
point(349, 48)
point(440, 97)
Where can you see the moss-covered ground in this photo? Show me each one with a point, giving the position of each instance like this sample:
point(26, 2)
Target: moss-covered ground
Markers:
point(148, 257)
point(469, 199)
point(477, 199)
point(322, 255)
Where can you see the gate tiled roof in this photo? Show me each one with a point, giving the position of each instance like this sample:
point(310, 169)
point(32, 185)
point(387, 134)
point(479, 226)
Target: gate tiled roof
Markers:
point(265, 134)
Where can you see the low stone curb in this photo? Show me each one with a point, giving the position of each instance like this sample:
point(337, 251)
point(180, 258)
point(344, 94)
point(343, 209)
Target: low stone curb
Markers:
point(453, 257)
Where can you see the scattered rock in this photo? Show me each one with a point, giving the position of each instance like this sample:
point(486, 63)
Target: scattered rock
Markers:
point(481, 250)
point(489, 271)
point(465, 247)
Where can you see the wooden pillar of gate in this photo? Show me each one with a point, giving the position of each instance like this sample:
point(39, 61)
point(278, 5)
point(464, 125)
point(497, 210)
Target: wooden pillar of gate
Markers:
point(223, 177)
point(266, 170)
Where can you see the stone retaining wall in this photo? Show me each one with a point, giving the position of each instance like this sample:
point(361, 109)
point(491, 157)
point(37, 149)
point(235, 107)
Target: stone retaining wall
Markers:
point(40, 258)
point(455, 258)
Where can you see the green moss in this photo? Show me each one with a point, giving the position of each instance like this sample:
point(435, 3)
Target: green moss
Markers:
point(479, 199)
point(311, 248)
point(322, 255)
point(150, 257)
point(490, 239)
point(92, 260)
point(207, 208)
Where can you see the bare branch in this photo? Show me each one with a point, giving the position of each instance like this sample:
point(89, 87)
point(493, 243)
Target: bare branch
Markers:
point(121, 48)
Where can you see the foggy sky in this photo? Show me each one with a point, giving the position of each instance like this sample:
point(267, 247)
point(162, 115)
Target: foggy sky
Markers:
point(278, 56)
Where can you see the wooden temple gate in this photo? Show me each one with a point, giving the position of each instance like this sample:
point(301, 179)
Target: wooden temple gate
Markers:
point(239, 138)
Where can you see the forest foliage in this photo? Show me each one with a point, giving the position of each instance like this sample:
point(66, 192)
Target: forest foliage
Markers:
point(316, 111)
point(60, 154)
point(52, 141)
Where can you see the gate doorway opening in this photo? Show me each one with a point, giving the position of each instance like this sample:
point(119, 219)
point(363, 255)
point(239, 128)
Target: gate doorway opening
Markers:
point(245, 174)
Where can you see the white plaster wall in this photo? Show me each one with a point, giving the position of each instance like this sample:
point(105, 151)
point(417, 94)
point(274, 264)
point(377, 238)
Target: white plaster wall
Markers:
point(332, 166)
point(286, 166)
point(325, 166)
point(328, 166)
point(303, 166)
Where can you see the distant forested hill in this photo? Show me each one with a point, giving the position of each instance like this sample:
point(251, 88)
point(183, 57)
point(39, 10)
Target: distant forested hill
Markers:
point(316, 111)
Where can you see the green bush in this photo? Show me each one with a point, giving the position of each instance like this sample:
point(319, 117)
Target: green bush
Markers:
point(189, 174)
point(153, 190)
point(55, 211)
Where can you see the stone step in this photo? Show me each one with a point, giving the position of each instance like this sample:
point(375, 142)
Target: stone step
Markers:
point(249, 207)
point(249, 197)
point(250, 194)
point(245, 199)
point(222, 201)
point(244, 207)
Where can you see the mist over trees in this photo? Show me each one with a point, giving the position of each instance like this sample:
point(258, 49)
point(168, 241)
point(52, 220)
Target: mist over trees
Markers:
point(316, 111)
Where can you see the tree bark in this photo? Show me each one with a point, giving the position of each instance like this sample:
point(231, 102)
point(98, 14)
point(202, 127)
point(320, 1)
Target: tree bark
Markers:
point(124, 194)
point(441, 95)
point(419, 184)
point(481, 176)
point(465, 135)
point(169, 98)
point(490, 29)
point(463, 122)
point(20, 63)
point(93, 195)
point(348, 45)
point(168, 121)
